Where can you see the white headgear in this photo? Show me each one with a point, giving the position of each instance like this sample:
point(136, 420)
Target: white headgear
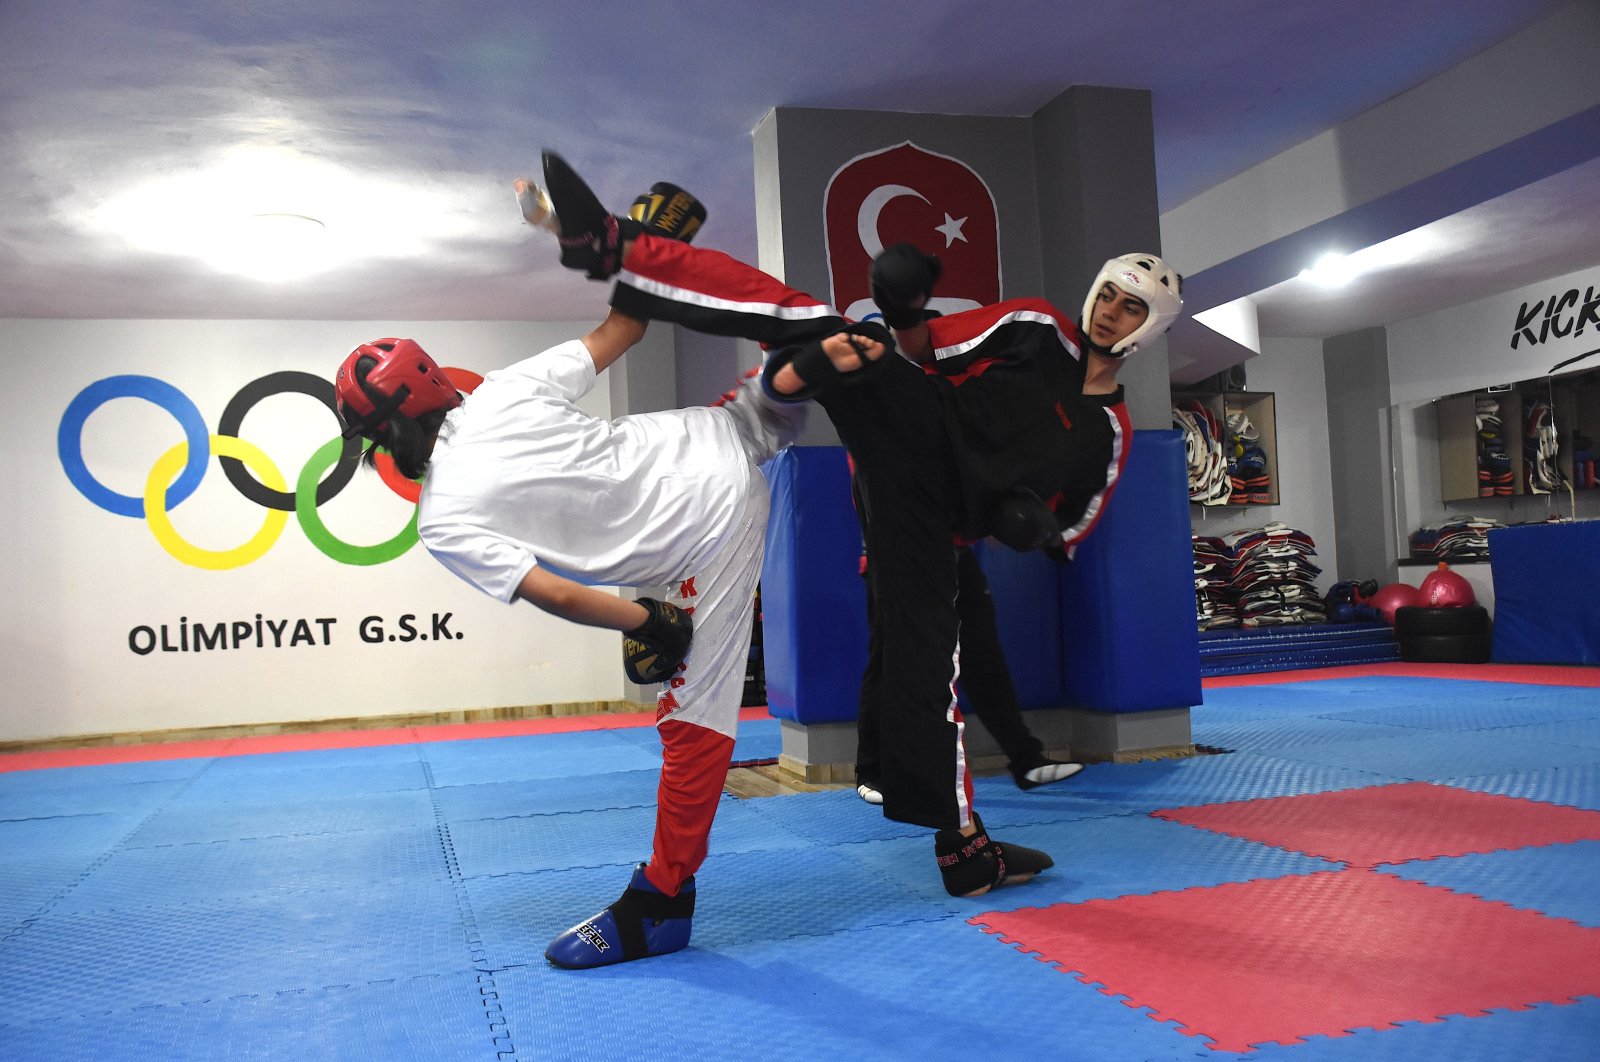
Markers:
point(1144, 276)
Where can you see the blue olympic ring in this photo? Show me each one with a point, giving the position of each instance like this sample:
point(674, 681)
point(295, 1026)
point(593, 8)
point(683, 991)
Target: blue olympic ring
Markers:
point(69, 440)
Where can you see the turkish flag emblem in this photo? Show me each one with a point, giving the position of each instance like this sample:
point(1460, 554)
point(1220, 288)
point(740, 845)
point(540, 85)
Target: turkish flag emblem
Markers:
point(904, 194)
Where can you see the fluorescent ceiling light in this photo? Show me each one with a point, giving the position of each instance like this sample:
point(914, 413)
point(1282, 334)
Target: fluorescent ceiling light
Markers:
point(276, 214)
point(1332, 270)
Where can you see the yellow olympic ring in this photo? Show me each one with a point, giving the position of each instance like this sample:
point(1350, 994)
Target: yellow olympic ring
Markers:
point(155, 511)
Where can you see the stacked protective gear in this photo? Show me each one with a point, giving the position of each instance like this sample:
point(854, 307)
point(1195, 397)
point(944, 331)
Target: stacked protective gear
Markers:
point(1249, 480)
point(1273, 576)
point(1209, 482)
point(1494, 466)
point(1215, 603)
point(1541, 448)
point(1461, 540)
point(1351, 602)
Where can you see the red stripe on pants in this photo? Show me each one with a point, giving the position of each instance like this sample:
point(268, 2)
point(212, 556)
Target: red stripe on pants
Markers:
point(694, 766)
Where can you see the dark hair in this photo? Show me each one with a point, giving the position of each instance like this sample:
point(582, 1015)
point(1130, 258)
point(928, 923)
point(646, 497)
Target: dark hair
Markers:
point(408, 440)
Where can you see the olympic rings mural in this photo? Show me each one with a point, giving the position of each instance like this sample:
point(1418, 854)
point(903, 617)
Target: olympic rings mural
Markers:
point(176, 474)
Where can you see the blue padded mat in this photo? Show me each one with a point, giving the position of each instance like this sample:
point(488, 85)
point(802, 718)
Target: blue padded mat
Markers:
point(57, 779)
point(757, 739)
point(270, 866)
point(1581, 733)
point(1559, 880)
point(928, 990)
point(230, 781)
point(428, 1017)
point(1435, 755)
point(548, 796)
point(1546, 1031)
point(608, 837)
point(394, 903)
point(1212, 780)
point(86, 836)
point(134, 956)
point(30, 881)
point(121, 798)
point(338, 813)
point(1221, 730)
point(1095, 858)
point(526, 757)
point(1514, 707)
point(1577, 787)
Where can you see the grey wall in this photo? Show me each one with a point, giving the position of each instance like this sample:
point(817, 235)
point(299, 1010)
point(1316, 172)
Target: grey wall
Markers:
point(1073, 185)
point(1356, 370)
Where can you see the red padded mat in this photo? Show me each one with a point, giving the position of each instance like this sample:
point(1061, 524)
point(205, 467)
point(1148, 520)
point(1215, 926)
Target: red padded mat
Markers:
point(1393, 823)
point(1276, 960)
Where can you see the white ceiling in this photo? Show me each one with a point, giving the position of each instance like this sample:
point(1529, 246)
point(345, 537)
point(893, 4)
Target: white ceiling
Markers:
point(135, 132)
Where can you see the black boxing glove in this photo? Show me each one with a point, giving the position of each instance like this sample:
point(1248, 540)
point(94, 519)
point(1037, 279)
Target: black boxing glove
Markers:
point(902, 280)
point(1022, 522)
point(652, 651)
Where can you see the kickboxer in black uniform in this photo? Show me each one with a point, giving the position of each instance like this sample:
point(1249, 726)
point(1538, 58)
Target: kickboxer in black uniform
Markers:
point(1004, 421)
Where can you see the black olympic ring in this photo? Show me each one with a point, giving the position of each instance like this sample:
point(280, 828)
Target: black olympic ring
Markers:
point(278, 383)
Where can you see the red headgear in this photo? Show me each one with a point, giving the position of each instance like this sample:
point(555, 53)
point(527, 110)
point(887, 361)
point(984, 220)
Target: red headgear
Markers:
point(404, 379)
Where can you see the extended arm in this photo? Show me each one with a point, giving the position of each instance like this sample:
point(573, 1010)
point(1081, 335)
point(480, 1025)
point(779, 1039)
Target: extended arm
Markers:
point(581, 604)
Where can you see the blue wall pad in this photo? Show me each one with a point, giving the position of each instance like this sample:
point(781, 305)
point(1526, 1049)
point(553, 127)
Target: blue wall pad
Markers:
point(813, 604)
point(919, 990)
point(197, 873)
point(547, 796)
point(516, 759)
point(1538, 618)
point(1558, 880)
point(1128, 596)
point(1198, 780)
point(1546, 1031)
point(1438, 755)
point(1577, 787)
point(430, 1017)
point(343, 813)
point(180, 953)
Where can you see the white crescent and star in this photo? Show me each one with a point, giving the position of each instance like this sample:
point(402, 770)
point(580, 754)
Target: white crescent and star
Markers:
point(878, 198)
